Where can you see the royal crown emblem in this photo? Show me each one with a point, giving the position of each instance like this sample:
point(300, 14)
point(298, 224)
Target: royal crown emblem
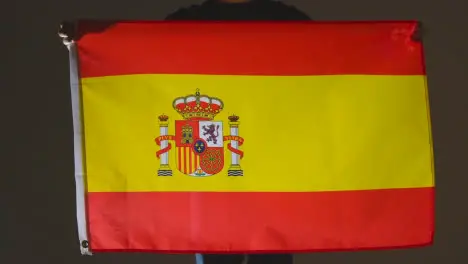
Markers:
point(198, 107)
point(199, 140)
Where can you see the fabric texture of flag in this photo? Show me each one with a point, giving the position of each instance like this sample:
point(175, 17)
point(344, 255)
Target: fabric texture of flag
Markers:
point(251, 137)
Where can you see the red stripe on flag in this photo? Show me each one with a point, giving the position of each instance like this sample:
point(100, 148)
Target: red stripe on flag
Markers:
point(269, 222)
point(255, 48)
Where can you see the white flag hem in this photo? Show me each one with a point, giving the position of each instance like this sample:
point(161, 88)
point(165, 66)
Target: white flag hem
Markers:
point(78, 149)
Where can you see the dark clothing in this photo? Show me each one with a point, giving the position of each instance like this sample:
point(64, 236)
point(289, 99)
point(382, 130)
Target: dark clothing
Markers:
point(223, 259)
point(252, 259)
point(250, 11)
point(253, 11)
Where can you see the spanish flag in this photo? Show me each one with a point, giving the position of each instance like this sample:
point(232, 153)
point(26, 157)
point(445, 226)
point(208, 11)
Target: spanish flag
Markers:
point(216, 137)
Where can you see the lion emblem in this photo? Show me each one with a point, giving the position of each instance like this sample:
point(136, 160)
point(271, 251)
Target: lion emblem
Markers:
point(212, 132)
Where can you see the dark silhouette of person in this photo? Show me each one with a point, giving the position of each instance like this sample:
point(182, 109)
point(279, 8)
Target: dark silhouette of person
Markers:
point(251, 10)
point(247, 10)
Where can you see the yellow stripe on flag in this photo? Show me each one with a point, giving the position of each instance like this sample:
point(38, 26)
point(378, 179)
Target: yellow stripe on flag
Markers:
point(308, 133)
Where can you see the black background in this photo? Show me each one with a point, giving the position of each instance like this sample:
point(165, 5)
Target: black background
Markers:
point(39, 206)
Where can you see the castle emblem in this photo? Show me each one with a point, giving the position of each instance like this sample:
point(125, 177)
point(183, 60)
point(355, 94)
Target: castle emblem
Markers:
point(199, 140)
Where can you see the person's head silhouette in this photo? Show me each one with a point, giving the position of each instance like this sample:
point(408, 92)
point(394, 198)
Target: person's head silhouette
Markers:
point(239, 10)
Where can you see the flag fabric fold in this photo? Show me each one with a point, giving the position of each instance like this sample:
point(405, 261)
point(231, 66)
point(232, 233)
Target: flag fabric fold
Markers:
point(253, 137)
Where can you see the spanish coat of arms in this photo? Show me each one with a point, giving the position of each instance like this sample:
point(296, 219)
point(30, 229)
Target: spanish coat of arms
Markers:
point(199, 139)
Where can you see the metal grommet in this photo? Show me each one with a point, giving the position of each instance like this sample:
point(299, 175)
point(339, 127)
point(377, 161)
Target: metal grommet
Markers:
point(417, 35)
point(84, 243)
